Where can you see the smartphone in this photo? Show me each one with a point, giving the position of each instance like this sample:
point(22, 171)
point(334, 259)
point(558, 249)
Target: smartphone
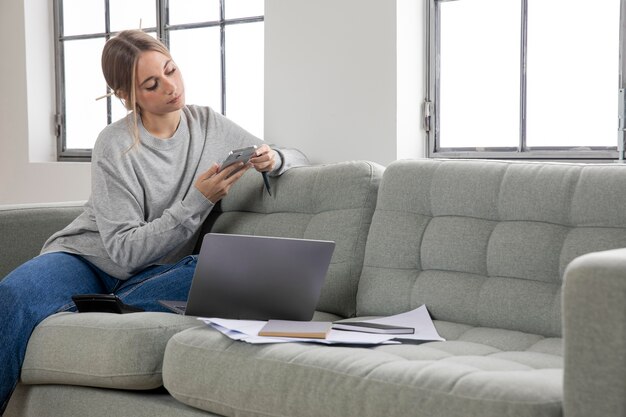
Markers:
point(102, 303)
point(238, 155)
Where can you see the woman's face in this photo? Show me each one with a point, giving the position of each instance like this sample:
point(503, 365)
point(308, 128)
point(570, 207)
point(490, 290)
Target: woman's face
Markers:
point(159, 84)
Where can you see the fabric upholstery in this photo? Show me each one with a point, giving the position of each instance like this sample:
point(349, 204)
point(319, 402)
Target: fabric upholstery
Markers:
point(594, 321)
point(65, 401)
point(101, 349)
point(486, 243)
point(25, 229)
point(326, 202)
point(477, 372)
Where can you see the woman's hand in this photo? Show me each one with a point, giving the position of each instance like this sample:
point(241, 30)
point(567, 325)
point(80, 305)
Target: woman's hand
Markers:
point(214, 185)
point(264, 159)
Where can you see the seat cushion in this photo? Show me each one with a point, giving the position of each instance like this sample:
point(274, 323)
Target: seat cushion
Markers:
point(67, 400)
point(101, 349)
point(477, 372)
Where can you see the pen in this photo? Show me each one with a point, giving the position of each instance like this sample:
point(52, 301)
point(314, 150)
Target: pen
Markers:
point(266, 180)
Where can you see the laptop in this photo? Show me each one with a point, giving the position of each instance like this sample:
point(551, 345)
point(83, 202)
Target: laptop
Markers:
point(256, 278)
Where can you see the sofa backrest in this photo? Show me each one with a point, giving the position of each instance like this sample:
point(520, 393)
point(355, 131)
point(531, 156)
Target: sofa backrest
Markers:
point(486, 242)
point(24, 229)
point(326, 202)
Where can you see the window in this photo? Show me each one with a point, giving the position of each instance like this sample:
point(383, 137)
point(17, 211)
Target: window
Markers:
point(217, 44)
point(524, 78)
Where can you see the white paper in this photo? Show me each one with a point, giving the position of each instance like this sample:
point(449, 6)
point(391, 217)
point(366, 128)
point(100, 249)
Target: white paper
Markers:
point(419, 319)
point(248, 330)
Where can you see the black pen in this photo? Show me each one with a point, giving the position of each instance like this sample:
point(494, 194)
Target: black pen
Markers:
point(266, 180)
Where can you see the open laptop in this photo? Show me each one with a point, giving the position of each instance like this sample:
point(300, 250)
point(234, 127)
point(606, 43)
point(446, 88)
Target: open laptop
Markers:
point(256, 278)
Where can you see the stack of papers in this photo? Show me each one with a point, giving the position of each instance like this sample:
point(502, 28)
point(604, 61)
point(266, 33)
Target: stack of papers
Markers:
point(419, 319)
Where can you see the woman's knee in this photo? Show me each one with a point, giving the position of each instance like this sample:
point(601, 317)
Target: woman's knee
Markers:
point(49, 279)
point(171, 283)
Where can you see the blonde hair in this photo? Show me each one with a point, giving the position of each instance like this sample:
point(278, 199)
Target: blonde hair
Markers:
point(119, 66)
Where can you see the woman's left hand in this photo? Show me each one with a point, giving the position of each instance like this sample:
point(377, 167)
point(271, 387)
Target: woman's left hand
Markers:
point(264, 159)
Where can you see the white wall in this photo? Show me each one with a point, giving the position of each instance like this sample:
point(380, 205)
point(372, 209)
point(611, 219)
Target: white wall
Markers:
point(330, 77)
point(26, 111)
point(343, 81)
point(333, 85)
point(411, 39)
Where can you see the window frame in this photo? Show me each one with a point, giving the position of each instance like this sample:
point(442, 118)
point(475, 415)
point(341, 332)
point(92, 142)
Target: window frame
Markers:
point(431, 122)
point(162, 30)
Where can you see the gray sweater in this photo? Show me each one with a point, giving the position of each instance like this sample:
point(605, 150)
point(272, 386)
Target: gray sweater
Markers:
point(144, 208)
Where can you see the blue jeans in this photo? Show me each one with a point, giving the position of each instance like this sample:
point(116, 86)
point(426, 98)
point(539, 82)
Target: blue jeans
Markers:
point(44, 286)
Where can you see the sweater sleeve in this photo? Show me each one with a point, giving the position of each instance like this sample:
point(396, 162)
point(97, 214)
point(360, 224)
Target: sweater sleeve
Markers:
point(232, 133)
point(118, 201)
point(288, 158)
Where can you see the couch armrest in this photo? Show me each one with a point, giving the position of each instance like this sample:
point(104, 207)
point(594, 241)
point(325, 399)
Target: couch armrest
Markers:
point(25, 227)
point(594, 330)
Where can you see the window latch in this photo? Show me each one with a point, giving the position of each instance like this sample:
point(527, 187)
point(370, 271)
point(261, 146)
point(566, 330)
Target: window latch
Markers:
point(58, 124)
point(427, 112)
point(621, 129)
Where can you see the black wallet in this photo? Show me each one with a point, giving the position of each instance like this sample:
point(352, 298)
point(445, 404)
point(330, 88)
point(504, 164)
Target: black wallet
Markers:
point(102, 303)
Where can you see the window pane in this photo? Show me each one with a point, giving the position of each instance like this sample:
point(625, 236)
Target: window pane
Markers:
point(480, 75)
point(83, 16)
point(193, 11)
point(85, 117)
point(200, 67)
point(244, 76)
point(127, 14)
point(244, 8)
point(573, 54)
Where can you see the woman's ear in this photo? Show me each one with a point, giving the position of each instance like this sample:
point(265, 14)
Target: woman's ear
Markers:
point(123, 96)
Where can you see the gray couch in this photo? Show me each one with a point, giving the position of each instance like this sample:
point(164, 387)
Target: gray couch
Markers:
point(518, 263)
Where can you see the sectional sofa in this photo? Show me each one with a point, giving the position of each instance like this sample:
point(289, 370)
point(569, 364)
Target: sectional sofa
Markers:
point(520, 265)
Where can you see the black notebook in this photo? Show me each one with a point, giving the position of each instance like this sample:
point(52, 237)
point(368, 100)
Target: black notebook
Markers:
point(369, 327)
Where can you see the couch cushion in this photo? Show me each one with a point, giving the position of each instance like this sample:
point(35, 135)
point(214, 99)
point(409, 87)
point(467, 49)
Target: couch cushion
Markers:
point(66, 401)
point(100, 349)
point(477, 372)
point(327, 202)
point(486, 242)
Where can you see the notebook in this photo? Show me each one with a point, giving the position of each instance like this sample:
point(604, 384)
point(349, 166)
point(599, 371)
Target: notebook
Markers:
point(298, 329)
point(256, 278)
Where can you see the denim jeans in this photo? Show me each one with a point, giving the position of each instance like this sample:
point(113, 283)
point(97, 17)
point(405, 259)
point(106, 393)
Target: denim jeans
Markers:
point(44, 286)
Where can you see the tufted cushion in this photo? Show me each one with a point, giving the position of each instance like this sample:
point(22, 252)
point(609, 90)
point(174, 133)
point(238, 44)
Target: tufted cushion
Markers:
point(327, 202)
point(477, 372)
point(486, 243)
point(101, 349)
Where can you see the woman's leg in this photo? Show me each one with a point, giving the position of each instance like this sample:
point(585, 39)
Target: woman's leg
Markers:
point(35, 290)
point(164, 282)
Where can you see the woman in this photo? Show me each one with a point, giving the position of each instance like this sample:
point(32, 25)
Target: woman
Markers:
point(155, 178)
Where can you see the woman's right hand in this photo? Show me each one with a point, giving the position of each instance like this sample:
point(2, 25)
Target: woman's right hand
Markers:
point(214, 185)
